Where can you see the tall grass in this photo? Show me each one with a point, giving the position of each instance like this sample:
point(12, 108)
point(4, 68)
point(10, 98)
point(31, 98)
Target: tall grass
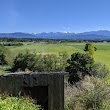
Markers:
point(90, 94)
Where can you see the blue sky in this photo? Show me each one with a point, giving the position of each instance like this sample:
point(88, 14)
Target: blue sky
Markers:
point(54, 15)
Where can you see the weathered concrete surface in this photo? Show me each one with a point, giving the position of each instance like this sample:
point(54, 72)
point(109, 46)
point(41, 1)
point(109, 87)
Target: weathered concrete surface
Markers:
point(13, 84)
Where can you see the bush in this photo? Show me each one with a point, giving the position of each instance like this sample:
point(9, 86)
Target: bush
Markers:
point(14, 103)
point(91, 94)
point(50, 62)
point(3, 60)
point(100, 71)
point(45, 63)
point(39, 62)
point(79, 65)
point(24, 61)
point(4, 55)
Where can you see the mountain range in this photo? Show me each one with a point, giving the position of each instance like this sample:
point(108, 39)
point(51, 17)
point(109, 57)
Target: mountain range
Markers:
point(92, 35)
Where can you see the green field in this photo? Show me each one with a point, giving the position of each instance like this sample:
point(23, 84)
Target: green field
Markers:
point(48, 48)
point(102, 54)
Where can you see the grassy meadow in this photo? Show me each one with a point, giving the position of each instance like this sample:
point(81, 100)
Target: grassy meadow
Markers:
point(102, 55)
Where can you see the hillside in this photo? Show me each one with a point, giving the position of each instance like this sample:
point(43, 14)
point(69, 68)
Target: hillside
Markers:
point(92, 35)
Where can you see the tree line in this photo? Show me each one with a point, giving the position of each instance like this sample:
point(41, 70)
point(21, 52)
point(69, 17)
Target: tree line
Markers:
point(46, 40)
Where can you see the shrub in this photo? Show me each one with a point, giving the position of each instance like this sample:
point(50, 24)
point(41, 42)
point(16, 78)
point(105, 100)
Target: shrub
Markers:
point(50, 62)
point(91, 94)
point(3, 60)
point(63, 56)
point(100, 71)
point(14, 103)
point(24, 61)
point(4, 55)
point(39, 62)
point(79, 65)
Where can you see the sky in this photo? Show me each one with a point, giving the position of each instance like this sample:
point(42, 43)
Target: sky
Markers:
point(36, 16)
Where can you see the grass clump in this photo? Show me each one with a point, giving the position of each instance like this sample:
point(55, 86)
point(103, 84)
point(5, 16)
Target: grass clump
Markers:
point(90, 94)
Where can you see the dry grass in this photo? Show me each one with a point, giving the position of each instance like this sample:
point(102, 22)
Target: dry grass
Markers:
point(90, 94)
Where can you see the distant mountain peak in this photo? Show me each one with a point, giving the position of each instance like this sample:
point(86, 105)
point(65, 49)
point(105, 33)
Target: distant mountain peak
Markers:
point(92, 35)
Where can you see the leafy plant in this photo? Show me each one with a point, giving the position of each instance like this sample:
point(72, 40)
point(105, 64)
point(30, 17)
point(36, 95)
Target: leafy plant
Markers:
point(4, 55)
point(79, 65)
point(24, 61)
point(3, 60)
point(40, 62)
point(14, 103)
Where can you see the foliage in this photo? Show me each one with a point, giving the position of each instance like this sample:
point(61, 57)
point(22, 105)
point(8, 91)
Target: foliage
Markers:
point(39, 62)
point(2, 71)
point(79, 65)
point(4, 55)
point(100, 70)
point(89, 47)
point(91, 94)
point(23, 61)
point(14, 103)
point(12, 44)
point(63, 56)
point(3, 59)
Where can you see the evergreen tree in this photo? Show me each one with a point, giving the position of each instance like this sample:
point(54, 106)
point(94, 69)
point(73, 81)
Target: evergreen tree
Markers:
point(79, 65)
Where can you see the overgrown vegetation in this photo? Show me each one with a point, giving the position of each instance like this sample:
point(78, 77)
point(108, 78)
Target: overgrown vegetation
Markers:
point(14, 103)
point(90, 94)
point(100, 71)
point(4, 55)
point(38, 62)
